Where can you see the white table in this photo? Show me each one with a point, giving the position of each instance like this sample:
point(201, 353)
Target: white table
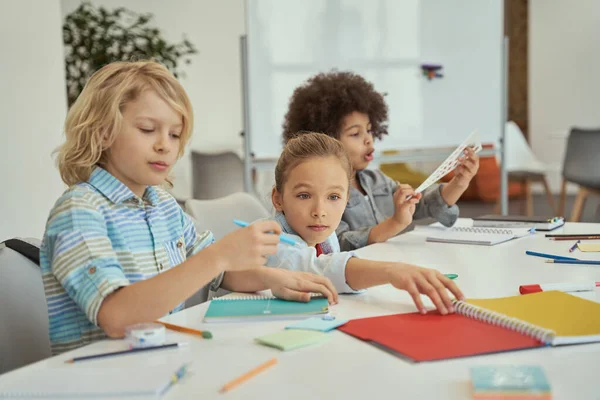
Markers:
point(346, 368)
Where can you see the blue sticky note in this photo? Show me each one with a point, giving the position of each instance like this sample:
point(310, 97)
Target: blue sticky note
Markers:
point(318, 324)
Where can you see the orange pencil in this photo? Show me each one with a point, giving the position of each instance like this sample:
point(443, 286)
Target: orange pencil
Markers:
point(179, 328)
point(243, 378)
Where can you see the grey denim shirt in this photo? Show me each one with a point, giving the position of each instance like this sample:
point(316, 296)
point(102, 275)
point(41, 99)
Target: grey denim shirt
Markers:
point(361, 215)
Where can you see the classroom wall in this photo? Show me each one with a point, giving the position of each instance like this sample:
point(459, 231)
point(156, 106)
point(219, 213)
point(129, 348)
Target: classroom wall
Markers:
point(564, 84)
point(212, 81)
point(33, 106)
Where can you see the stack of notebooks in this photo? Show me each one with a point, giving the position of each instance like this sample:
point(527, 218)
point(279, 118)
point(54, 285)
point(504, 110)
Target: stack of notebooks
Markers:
point(482, 326)
point(519, 221)
point(248, 308)
point(515, 382)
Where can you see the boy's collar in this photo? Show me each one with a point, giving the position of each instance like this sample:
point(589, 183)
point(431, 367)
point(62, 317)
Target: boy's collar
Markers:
point(115, 190)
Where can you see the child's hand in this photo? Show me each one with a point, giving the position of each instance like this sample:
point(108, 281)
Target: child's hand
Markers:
point(297, 286)
point(416, 281)
point(249, 247)
point(466, 170)
point(403, 208)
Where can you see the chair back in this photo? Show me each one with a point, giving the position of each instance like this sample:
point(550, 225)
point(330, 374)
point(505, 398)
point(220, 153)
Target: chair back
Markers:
point(581, 164)
point(216, 175)
point(518, 154)
point(24, 333)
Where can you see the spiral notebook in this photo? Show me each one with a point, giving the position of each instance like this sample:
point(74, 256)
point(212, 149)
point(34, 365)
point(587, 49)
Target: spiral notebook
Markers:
point(483, 326)
point(474, 235)
point(519, 221)
point(247, 308)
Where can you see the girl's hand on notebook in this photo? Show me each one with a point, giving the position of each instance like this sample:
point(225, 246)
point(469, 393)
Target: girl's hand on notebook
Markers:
point(416, 281)
point(249, 247)
point(297, 286)
point(403, 208)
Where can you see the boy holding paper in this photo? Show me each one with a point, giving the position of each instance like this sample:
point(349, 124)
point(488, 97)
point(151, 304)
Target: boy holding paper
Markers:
point(345, 106)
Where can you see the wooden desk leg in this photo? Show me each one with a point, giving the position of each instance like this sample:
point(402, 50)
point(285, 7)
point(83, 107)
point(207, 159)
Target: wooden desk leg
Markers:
point(528, 197)
point(578, 205)
point(562, 199)
point(549, 195)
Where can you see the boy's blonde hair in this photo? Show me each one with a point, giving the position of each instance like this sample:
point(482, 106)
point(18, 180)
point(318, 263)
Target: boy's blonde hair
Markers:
point(304, 146)
point(95, 118)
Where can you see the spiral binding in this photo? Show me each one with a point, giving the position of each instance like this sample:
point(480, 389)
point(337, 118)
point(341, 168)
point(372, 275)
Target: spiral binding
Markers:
point(258, 297)
point(495, 231)
point(514, 324)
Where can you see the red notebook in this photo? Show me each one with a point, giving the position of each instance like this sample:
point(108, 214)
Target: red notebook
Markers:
point(433, 337)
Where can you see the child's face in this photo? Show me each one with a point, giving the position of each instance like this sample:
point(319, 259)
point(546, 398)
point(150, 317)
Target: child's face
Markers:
point(356, 136)
point(147, 146)
point(314, 198)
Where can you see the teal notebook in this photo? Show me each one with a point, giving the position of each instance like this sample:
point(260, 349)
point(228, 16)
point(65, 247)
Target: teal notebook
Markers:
point(263, 308)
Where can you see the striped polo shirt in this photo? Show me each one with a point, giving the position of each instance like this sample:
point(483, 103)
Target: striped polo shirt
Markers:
point(99, 237)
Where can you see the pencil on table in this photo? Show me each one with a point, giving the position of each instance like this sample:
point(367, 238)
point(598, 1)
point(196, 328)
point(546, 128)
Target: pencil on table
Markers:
point(581, 262)
point(250, 374)
point(596, 237)
point(179, 328)
point(572, 249)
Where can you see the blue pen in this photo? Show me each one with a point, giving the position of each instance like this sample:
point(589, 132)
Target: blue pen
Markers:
point(282, 238)
point(533, 253)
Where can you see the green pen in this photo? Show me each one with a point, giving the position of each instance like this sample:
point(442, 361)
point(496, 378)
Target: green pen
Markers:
point(451, 276)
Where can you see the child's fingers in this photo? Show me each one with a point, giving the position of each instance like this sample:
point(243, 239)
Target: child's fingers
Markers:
point(451, 286)
point(268, 249)
point(267, 239)
point(470, 165)
point(268, 226)
point(308, 286)
point(428, 289)
point(293, 295)
point(441, 289)
point(411, 288)
point(324, 281)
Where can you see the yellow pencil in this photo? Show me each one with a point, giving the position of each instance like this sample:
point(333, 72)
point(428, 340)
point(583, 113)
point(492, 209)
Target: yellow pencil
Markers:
point(179, 328)
point(243, 378)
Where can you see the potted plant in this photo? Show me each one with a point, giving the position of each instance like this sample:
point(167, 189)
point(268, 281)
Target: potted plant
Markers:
point(94, 36)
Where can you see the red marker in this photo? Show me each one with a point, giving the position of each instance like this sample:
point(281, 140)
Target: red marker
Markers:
point(563, 287)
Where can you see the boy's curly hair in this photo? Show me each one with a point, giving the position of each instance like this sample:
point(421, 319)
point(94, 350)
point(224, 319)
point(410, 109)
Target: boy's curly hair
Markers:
point(323, 100)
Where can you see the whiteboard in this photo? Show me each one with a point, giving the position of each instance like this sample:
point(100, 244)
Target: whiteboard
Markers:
point(385, 41)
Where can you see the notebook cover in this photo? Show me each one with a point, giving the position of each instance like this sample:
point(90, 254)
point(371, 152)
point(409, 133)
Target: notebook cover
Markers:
point(263, 308)
point(433, 336)
point(509, 381)
point(565, 314)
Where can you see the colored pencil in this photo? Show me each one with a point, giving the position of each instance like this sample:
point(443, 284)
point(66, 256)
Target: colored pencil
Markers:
point(576, 238)
point(250, 374)
point(124, 352)
point(581, 262)
point(184, 329)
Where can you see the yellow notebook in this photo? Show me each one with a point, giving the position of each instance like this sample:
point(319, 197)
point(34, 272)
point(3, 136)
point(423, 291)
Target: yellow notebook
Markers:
point(589, 246)
point(553, 317)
